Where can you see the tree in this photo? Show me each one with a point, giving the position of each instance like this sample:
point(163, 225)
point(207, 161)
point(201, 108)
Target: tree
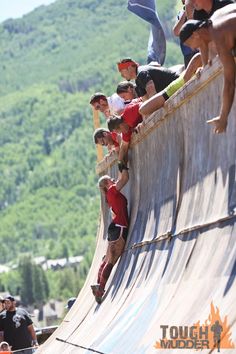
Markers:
point(34, 284)
point(40, 285)
point(26, 274)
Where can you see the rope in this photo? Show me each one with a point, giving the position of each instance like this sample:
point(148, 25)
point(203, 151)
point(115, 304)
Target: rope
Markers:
point(169, 235)
point(79, 346)
point(23, 349)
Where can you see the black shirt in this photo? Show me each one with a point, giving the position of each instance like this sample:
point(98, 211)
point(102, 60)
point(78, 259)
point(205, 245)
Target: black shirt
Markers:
point(161, 77)
point(15, 327)
point(217, 4)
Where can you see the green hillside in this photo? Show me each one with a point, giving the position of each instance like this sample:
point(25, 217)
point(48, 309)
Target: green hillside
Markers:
point(74, 44)
point(51, 61)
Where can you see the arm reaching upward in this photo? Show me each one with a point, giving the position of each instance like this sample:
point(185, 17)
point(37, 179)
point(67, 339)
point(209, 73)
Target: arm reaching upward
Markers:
point(123, 178)
point(204, 50)
point(123, 153)
point(179, 23)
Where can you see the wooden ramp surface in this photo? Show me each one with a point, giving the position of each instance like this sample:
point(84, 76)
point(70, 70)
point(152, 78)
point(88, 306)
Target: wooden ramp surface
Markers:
point(179, 266)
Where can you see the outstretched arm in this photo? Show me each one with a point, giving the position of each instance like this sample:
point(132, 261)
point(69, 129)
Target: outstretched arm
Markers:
point(179, 23)
point(123, 153)
point(220, 122)
point(123, 178)
point(193, 65)
point(204, 50)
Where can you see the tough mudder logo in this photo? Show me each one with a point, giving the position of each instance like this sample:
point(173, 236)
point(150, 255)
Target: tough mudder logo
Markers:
point(214, 333)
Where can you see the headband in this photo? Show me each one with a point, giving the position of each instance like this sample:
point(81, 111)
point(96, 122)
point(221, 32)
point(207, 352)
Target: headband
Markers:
point(127, 64)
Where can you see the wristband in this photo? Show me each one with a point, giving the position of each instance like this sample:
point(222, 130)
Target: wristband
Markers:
point(122, 166)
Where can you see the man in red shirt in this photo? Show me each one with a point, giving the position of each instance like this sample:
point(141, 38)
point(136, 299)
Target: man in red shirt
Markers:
point(125, 124)
point(111, 140)
point(117, 230)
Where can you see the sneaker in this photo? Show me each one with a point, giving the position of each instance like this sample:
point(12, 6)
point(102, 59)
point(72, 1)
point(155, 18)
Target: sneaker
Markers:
point(98, 292)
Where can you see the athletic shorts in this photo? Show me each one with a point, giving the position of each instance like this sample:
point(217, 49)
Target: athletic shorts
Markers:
point(115, 231)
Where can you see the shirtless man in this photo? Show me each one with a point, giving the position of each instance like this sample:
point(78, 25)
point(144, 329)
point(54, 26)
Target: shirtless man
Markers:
point(221, 29)
point(205, 8)
point(117, 230)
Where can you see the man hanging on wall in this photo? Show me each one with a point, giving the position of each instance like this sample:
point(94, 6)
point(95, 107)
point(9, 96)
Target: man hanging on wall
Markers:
point(117, 230)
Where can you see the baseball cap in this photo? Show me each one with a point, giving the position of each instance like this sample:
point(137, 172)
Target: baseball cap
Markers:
point(188, 28)
point(70, 302)
point(3, 343)
point(9, 297)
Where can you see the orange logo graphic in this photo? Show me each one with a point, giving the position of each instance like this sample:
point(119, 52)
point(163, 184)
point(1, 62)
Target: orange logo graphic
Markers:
point(214, 333)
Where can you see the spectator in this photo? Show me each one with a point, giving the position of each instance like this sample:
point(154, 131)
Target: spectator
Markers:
point(204, 9)
point(182, 17)
point(117, 230)
point(125, 124)
point(103, 137)
point(70, 303)
point(107, 105)
point(149, 79)
point(17, 327)
point(221, 28)
point(157, 101)
point(2, 308)
point(4, 347)
point(2, 305)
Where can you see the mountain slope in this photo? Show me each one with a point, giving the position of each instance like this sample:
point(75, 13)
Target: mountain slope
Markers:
point(51, 61)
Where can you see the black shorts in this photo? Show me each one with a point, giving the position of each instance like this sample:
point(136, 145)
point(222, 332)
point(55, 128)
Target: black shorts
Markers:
point(115, 231)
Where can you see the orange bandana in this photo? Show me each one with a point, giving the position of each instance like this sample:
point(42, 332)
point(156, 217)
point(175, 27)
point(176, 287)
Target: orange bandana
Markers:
point(125, 65)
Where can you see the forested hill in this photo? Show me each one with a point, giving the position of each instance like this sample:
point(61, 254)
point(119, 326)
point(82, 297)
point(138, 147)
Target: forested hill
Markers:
point(51, 61)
